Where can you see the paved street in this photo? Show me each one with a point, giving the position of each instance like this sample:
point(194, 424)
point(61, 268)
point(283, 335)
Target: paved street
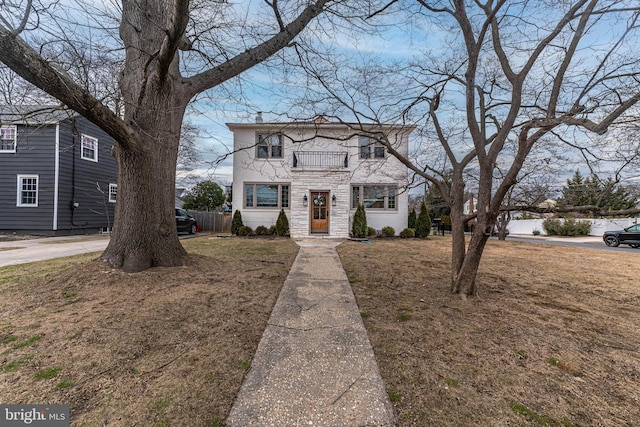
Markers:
point(589, 242)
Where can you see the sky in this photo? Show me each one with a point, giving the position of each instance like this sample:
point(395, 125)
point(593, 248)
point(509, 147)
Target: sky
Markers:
point(405, 36)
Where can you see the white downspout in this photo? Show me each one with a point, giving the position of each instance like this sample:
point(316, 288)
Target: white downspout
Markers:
point(55, 178)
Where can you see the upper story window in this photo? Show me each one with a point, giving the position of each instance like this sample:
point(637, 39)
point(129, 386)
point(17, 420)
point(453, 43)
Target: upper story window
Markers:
point(27, 190)
point(8, 139)
point(113, 192)
point(89, 150)
point(269, 146)
point(371, 148)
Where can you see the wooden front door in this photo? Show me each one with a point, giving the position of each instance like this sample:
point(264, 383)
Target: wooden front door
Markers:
point(319, 211)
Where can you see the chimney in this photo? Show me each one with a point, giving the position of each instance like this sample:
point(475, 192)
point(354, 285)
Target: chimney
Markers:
point(259, 117)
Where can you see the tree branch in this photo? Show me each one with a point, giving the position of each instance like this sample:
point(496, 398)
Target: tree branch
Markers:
point(29, 65)
point(254, 55)
point(175, 32)
point(597, 210)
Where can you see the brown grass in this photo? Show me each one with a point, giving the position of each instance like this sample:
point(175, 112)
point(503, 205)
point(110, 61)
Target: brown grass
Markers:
point(158, 348)
point(553, 338)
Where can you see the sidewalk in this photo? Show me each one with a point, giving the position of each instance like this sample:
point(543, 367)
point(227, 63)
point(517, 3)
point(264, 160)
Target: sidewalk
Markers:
point(314, 365)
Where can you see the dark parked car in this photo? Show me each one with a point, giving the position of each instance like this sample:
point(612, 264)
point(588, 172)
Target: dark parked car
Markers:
point(185, 222)
point(629, 236)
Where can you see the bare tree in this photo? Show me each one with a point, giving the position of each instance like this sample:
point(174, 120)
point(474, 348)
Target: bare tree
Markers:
point(503, 77)
point(173, 51)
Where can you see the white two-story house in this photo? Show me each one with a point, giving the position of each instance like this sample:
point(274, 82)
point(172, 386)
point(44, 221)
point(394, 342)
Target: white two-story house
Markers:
point(319, 172)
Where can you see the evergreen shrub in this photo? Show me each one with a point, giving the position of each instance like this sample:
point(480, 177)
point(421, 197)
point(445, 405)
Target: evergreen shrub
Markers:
point(282, 224)
point(359, 227)
point(388, 231)
point(236, 222)
point(408, 232)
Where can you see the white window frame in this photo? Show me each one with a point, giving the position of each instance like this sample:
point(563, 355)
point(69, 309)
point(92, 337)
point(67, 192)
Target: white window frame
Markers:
point(254, 198)
point(113, 192)
point(86, 139)
point(20, 190)
point(265, 139)
point(386, 197)
point(14, 128)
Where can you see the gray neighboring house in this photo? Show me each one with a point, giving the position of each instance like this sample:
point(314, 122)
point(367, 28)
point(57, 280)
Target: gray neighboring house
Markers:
point(57, 173)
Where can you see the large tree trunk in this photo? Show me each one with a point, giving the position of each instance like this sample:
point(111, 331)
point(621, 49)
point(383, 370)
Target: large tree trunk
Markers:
point(466, 260)
point(465, 277)
point(458, 247)
point(145, 232)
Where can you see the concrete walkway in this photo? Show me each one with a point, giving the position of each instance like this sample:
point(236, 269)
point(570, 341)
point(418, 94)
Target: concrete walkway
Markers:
point(314, 365)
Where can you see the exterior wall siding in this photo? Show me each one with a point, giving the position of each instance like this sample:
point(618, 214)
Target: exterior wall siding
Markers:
point(85, 182)
point(35, 148)
point(303, 179)
point(78, 180)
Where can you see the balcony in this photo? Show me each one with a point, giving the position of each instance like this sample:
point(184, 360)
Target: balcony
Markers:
point(320, 160)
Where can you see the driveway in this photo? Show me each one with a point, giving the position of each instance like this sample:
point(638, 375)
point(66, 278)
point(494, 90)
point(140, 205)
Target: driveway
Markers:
point(23, 251)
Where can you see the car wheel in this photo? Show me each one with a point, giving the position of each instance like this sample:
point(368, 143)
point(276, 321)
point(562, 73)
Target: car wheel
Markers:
point(193, 229)
point(634, 245)
point(611, 241)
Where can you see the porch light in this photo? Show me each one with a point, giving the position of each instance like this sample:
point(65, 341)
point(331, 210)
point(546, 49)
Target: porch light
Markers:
point(333, 200)
point(305, 200)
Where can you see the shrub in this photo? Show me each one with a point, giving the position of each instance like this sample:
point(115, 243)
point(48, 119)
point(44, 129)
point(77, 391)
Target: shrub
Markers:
point(359, 227)
point(245, 230)
point(567, 227)
point(261, 230)
point(282, 224)
point(272, 230)
point(371, 231)
point(236, 222)
point(388, 231)
point(536, 232)
point(408, 232)
point(423, 223)
point(411, 223)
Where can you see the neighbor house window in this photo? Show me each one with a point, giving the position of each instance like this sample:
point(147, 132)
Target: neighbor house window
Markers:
point(27, 190)
point(89, 150)
point(266, 195)
point(269, 146)
point(113, 192)
point(8, 139)
point(374, 196)
point(371, 148)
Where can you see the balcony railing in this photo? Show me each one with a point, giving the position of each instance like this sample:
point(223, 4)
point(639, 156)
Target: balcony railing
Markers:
point(320, 159)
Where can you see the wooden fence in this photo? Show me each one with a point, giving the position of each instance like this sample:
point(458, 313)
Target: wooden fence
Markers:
point(213, 222)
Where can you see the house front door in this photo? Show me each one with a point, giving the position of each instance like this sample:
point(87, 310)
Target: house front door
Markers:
point(319, 211)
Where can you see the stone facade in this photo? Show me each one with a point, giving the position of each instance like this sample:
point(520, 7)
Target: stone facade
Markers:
point(316, 157)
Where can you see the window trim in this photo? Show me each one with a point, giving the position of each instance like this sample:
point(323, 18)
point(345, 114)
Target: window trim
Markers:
point(19, 190)
point(372, 146)
point(360, 196)
point(266, 138)
point(15, 138)
point(83, 138)
point(254, 193)
point(113, 192)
